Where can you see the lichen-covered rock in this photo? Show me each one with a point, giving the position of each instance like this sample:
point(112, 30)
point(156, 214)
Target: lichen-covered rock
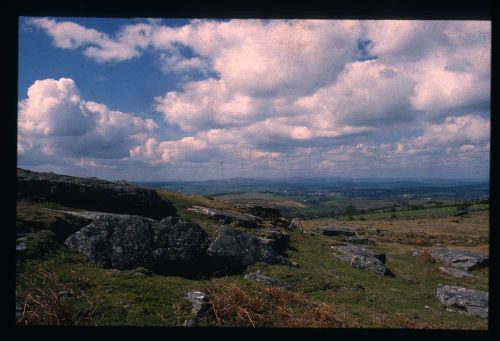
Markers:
point(235, 250)
point(225, 217)
point(261, 277)
point(458, 259)
point(468, 301)
point(260, 211)
point(359, 250)
point(363, 258)
point(172, 245)
point(93, 194)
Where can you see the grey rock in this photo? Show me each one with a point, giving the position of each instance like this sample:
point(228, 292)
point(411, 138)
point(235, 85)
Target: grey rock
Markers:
point(199, 302)
point(335, 231)
point(278, 240)
point(93, 194)
point(261, 277)
point(458, 259)
point(363, 258)
point(172, 245)
point(295, 224)
point(468, 301)
point(455, 272)
point(189, 323)
point(21, 245)
point(353, 250)
point(358, 240)
point(260, 211)
point(226, 217)
point(236, 249)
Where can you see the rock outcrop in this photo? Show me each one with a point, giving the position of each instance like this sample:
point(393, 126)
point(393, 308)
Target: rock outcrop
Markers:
point(170, 246)
point(363, 258)
point(468, 301)
point(336, 231)
point(93, 194)
point(225, 217)
point(277, 239)
point(234, 250)
point(261, 277)
point(458, 259)
point(260, 211)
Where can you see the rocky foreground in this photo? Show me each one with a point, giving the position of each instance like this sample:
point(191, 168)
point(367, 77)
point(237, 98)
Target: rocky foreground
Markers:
point(126, 227)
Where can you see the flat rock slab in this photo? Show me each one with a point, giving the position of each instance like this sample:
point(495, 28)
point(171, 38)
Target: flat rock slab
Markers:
point(334, 231)
point(89, 214)
point(468, 301)
point(359, 250)
point(458, 259)
point(260, 210)
point(358, 240)
point(261, 277)
point(172, 245)
point(93, 194)
point(225, 217)
point(363, 258)
point(455, 272)
point(237, 250)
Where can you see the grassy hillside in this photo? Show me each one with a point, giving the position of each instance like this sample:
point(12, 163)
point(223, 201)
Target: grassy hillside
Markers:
point(65, 288)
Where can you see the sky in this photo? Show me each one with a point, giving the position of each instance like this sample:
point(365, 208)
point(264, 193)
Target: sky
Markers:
point(193, 99)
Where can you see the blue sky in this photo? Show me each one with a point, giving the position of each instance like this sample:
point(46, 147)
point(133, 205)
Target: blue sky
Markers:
point(178, 99)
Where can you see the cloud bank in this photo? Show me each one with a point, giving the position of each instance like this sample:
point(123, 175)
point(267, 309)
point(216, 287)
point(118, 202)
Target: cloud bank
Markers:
point(289, 97)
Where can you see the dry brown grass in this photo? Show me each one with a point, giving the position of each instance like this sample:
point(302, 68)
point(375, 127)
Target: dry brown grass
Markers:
point(259, 306)
point(411, 323)
point(48, 301)
point(470, 231)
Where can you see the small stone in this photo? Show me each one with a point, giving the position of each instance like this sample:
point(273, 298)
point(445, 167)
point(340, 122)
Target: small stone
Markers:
point(189, 323)
point(426, 307)
point(295, 224)
point(199, 301)
point(261, 277)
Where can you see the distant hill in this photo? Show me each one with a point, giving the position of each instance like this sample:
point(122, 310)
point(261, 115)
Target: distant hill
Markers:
point(435, 189)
